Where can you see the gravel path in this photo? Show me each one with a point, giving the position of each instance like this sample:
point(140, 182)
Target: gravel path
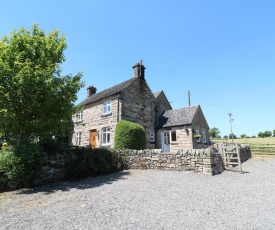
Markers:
point(149, 199)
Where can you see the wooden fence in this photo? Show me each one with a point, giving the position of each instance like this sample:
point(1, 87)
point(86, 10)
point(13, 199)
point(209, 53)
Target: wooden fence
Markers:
point(262, 149)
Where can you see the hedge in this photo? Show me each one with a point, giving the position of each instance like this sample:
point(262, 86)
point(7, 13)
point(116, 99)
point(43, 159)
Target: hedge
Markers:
point(129, 135)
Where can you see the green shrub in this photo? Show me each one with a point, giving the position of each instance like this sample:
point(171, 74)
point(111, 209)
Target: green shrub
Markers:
point(129, 135)
point(93, 162)
point(19, 163)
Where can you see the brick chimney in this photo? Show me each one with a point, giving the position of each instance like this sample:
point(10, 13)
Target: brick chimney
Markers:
point(91, 90)
point(139, 70)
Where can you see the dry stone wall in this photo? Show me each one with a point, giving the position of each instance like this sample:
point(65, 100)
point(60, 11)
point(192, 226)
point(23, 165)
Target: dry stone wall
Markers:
point(207, 161)
point(198, 160)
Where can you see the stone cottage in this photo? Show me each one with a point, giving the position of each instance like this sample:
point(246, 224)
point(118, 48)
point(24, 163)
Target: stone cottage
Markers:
point(133, 100)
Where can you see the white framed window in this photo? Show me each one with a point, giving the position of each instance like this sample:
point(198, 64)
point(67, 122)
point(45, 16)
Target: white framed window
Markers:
point(106, 107)
point(173, 136)
point(79, 115)
point(106, 136)
point(170, 137)
point(204, 137)
point(78, 138)
point(198, 136)
point(152, 137)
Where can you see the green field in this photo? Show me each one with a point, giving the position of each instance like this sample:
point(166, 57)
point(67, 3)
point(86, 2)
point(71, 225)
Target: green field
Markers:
point(258, 146)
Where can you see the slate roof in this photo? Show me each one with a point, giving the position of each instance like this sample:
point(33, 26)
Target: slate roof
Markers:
point(156, 94)
point(107, 92)
point(177, 117)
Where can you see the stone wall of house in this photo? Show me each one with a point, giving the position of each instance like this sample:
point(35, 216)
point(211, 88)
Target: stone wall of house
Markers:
point(139, 106)
point(199, 123)
point(93, 119)
point(208, 161)
point(162, 103)
point(184, 141)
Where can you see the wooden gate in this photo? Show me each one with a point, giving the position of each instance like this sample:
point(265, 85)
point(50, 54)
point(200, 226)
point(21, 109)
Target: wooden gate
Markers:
point(231, 157)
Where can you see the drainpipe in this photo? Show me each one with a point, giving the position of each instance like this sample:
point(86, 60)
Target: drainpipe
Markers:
point(118, 100)
point(156, 124)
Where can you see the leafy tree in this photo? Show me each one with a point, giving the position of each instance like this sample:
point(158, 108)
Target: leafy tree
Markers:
point(35, 100)
point(234, 136)
point(243, 136)
point(260, 134)
point(267, 134)
point(214, 132)
point(274, 133)
point(225, 137)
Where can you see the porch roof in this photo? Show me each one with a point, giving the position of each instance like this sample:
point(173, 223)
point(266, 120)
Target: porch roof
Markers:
point(177, 117)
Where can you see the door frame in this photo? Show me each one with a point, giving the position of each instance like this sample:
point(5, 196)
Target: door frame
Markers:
point(165, 147)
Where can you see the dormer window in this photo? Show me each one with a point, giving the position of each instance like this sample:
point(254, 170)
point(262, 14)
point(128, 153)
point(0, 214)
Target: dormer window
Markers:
point(79, 116)
point(107, 107)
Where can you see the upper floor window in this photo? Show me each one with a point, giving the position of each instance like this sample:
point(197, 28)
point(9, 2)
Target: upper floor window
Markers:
point(79, 115)
point(107, 107)
point(78, 138)
point(106, 136)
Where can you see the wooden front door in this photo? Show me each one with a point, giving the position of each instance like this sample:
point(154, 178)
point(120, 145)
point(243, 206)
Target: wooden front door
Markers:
point(93, 138)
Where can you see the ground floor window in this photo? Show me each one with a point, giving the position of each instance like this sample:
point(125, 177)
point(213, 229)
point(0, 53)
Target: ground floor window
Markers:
point(173, 136)
point(152, 137)
point(198, 136)
point(106, 136)
point(78, 138)
point(204, 137)
point(170, 137)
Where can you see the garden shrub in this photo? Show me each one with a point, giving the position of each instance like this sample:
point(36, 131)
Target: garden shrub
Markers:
point(129, 135)
point(19, 163)
point(93, 162)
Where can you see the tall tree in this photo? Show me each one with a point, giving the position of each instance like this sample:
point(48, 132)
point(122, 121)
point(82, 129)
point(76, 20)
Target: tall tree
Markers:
point(214, 132)
point(35, 100)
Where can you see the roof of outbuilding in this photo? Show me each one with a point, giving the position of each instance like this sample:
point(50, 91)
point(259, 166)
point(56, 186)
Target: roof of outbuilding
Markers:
point(107, 92)
point(177, 117)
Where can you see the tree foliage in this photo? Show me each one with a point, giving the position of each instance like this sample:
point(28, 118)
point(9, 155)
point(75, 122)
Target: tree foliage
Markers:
point(243, 135)
point(129, 135)
point(265, 134)
point(234, 136)
point(35, 100)
point(214, 132)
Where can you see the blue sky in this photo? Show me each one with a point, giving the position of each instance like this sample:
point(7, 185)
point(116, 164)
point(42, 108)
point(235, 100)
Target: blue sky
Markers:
point(223, 51)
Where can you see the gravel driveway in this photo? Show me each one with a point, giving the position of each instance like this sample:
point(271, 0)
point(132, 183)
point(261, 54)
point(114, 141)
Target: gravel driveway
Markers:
point(149, 199)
